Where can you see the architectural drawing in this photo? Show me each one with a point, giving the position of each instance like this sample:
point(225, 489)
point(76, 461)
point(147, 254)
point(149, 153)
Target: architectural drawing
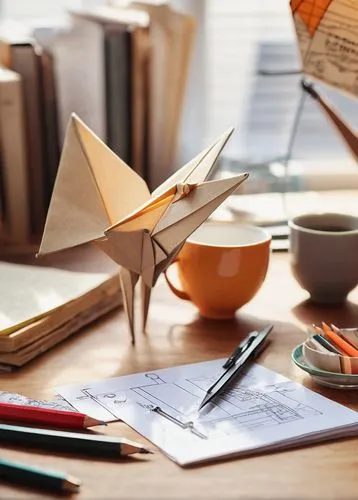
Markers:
point(239, 408)
point(262, 410)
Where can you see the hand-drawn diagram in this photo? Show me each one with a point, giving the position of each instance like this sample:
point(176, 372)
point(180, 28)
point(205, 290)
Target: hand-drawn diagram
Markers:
point(262, 410)
point(243, 407)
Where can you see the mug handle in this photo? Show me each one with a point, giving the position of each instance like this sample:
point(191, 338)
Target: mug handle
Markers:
point(179, 293)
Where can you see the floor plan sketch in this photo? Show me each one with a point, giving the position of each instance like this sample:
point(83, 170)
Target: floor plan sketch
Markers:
point(241, 406)
point(261, 409)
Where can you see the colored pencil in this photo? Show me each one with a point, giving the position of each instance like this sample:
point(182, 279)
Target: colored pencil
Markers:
point(28, 475)
point(35, 415)
point(326, 343)
point(69, 442)
point(339, 342)
point(348, 334)
point(336, 329)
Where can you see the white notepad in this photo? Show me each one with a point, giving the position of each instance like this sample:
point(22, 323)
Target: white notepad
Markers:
point(262, 411)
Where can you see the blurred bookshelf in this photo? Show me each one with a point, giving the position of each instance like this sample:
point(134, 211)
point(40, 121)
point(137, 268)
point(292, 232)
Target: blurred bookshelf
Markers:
point(123, 69)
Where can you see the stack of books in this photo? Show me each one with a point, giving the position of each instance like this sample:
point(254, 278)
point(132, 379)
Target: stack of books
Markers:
point(42, 306)
point(121, 70)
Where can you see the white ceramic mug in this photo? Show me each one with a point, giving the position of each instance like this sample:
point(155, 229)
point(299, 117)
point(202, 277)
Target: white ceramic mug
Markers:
point(324, 254)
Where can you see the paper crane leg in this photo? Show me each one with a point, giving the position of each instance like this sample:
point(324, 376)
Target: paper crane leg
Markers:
point(146, 292)
point(128, 281)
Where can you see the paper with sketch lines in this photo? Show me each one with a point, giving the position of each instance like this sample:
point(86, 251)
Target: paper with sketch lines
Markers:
point(18, 399)
point(261, 411)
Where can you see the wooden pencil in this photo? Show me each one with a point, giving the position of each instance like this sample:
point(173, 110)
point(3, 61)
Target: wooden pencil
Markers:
point(341, 343)
point(69, 442)
point(348, 334)
point(35, 415)
point(28, 475)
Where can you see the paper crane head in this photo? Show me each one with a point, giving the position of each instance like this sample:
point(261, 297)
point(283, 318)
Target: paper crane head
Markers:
point(98, 198)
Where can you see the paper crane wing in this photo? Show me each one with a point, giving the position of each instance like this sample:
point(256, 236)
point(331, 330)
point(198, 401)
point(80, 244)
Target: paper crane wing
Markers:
point(93, 189)
point(327, 33)
point(148, 215)
point(198, 169)
point(186, 214)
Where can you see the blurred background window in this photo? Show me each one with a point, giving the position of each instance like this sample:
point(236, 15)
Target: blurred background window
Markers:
point(248, 43)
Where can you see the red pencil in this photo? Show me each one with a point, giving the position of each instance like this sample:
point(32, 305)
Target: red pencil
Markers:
point(35, 415)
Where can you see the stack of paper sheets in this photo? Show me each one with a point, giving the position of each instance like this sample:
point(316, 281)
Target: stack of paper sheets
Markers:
point(40, 306)
point(261, 411)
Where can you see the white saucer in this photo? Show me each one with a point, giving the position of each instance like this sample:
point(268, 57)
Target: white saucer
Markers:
point(328, 379)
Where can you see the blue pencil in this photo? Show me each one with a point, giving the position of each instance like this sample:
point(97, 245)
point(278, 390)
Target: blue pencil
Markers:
point(326, 343)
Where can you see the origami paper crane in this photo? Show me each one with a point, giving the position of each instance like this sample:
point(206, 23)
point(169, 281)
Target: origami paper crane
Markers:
point(327, 34)
point(98, 198)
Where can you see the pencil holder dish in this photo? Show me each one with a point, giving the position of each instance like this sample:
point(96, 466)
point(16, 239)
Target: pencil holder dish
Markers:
point(317, 366)
point(330, 362)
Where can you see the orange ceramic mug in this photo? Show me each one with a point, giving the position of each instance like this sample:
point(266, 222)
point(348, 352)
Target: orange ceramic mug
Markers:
point(221, 267)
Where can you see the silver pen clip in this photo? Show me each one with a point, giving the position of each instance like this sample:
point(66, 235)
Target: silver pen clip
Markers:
point(240, 349)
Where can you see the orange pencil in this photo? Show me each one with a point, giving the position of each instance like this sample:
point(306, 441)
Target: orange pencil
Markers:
point(342, 344)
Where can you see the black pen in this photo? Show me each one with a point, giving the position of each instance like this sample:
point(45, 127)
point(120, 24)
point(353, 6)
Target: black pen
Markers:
point(240, 349)
point(245, 352)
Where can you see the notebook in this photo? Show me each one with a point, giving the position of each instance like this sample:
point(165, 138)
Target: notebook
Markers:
point(41, 306)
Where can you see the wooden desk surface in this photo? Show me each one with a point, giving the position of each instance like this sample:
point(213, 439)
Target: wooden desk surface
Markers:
point(177, 335)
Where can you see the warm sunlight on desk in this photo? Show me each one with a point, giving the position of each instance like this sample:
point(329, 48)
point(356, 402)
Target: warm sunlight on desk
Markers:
point(274, 208)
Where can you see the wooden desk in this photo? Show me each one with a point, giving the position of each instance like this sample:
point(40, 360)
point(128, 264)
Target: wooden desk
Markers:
point(177, 335)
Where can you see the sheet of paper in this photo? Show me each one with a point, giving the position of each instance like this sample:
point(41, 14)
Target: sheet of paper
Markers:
point(263, 410)
point(19, 399)
point(328, 41)
point(30, 292)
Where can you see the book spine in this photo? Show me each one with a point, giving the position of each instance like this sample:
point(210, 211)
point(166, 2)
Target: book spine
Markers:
point(116, 46)
point(50, 124)
point(14, 160)
point(26, 62)
point(139, 51)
